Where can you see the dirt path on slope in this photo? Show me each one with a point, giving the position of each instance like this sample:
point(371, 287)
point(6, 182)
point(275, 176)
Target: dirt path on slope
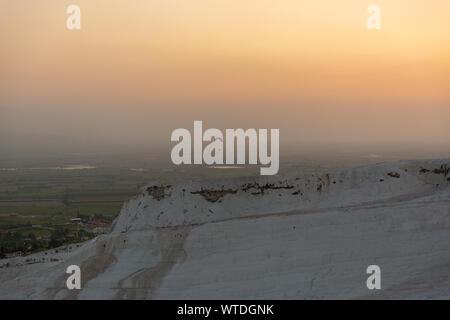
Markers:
point(143, 283)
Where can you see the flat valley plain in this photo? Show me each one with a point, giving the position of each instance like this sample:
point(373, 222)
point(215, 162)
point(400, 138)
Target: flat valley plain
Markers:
point(37, 202)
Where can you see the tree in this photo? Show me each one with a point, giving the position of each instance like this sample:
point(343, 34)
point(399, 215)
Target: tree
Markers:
point(65, 198)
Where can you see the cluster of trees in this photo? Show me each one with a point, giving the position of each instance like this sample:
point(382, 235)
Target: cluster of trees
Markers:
point(63, 236)
point(58, 238)
point(15, 242)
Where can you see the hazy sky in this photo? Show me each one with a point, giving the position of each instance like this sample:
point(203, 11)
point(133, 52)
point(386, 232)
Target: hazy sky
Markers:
point(139, 69)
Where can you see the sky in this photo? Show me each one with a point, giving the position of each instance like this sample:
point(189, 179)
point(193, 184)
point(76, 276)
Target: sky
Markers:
point(139, 69)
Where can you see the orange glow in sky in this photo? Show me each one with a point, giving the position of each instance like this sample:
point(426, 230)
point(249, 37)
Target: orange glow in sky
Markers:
point(222, 57)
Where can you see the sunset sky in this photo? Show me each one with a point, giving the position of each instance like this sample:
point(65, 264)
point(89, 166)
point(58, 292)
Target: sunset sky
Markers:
point(139, 69)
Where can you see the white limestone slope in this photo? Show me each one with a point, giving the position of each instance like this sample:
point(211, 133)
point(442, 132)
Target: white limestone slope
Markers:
point(292, 237)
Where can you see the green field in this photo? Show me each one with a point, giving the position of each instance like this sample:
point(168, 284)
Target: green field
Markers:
point(78, 185)
point(39, 203)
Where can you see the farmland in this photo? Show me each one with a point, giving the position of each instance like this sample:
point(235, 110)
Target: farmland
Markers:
point(38, 205)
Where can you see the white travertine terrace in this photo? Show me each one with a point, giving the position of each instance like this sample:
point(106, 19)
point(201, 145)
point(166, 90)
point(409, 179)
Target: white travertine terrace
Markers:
point(308, 236)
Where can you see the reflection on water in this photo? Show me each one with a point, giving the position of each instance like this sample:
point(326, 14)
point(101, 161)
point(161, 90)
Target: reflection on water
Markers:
point(227, 167)
point(71, 167)
point(76, 167)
